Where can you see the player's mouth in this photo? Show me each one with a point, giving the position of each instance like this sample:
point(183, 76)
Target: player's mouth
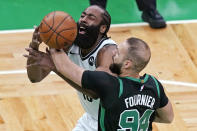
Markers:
point(82, 30)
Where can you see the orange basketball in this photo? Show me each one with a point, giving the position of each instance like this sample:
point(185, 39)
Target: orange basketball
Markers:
point(58, 29)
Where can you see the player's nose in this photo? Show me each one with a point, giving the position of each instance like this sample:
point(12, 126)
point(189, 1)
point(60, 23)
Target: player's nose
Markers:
point(83, 19)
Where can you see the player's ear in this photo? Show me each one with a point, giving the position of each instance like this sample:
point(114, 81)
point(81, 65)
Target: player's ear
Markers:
point(103, 28)
point(127, 64)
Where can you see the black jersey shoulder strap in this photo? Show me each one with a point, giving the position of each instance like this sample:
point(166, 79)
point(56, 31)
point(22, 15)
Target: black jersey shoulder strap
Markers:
point(157, 85)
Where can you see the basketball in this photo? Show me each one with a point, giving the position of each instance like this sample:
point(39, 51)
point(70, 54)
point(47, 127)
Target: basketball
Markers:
point(58, 29)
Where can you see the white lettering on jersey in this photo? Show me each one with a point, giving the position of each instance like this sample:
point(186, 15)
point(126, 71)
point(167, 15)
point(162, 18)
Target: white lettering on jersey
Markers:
point(143, 100)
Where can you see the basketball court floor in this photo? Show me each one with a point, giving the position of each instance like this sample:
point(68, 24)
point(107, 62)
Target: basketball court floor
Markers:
point(52, 105)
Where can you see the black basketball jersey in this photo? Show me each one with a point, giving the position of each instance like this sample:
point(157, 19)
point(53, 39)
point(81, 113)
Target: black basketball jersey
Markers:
point(127, 104)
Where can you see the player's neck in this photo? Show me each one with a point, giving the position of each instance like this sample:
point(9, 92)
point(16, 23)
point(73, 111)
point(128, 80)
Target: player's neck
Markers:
point(130, 74)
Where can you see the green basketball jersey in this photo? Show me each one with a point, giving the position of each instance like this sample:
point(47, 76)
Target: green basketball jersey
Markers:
point(127, 104)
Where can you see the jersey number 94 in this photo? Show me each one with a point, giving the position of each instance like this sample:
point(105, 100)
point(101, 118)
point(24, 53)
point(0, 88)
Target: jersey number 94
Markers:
point(130, 119)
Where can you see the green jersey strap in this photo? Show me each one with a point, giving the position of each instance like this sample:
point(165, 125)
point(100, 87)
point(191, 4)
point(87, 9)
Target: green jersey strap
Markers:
point(157, 85)
point(121, 87)
point(102, 118)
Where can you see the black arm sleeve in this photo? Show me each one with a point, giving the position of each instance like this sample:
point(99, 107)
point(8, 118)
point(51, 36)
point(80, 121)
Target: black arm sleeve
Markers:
point(163, 97)
point(100, 82)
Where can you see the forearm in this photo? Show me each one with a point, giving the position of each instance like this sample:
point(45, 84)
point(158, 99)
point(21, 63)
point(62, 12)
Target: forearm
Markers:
point(69, 71)
point(77, 87)
point(165, 114)
point(163, 119)
point(160, 119)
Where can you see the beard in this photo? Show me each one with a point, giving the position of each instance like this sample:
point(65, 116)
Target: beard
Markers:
point(116, 68)
point(87, 40)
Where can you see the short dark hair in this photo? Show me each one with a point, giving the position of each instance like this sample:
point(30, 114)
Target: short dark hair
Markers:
point(138, 53)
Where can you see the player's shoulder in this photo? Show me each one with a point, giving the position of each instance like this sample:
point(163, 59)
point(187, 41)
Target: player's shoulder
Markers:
point(153, 79)
point(150, 80)
point(154, 83)
point(108, 41)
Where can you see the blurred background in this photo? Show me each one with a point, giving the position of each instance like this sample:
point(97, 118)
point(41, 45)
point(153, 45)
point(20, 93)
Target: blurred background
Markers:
point(23, 14)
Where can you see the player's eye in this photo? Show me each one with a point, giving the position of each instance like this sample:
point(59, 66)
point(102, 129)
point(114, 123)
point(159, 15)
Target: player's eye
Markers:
point(82, 16)
point(92, 17)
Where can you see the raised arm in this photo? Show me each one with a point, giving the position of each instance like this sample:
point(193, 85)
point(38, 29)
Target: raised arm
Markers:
point(64, 66)
point(103, 61)
point(69, 71)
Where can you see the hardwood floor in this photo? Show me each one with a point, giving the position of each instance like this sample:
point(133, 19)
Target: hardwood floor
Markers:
point(52, 105)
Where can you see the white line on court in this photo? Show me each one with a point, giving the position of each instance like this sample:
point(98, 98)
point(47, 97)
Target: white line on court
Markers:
point(15, 72)
point(143, 23)
point(16, 31)
point(177, 83)
point(112, 25)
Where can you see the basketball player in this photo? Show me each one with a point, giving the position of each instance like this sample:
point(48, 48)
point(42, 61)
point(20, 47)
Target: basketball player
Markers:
point(93, 26)
point(128, 102)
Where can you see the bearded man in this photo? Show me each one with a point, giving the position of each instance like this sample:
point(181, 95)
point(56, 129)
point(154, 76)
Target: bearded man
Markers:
point(93, 26)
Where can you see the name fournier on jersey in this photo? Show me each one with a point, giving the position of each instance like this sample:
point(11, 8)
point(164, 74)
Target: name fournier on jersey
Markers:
point(144, 100)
